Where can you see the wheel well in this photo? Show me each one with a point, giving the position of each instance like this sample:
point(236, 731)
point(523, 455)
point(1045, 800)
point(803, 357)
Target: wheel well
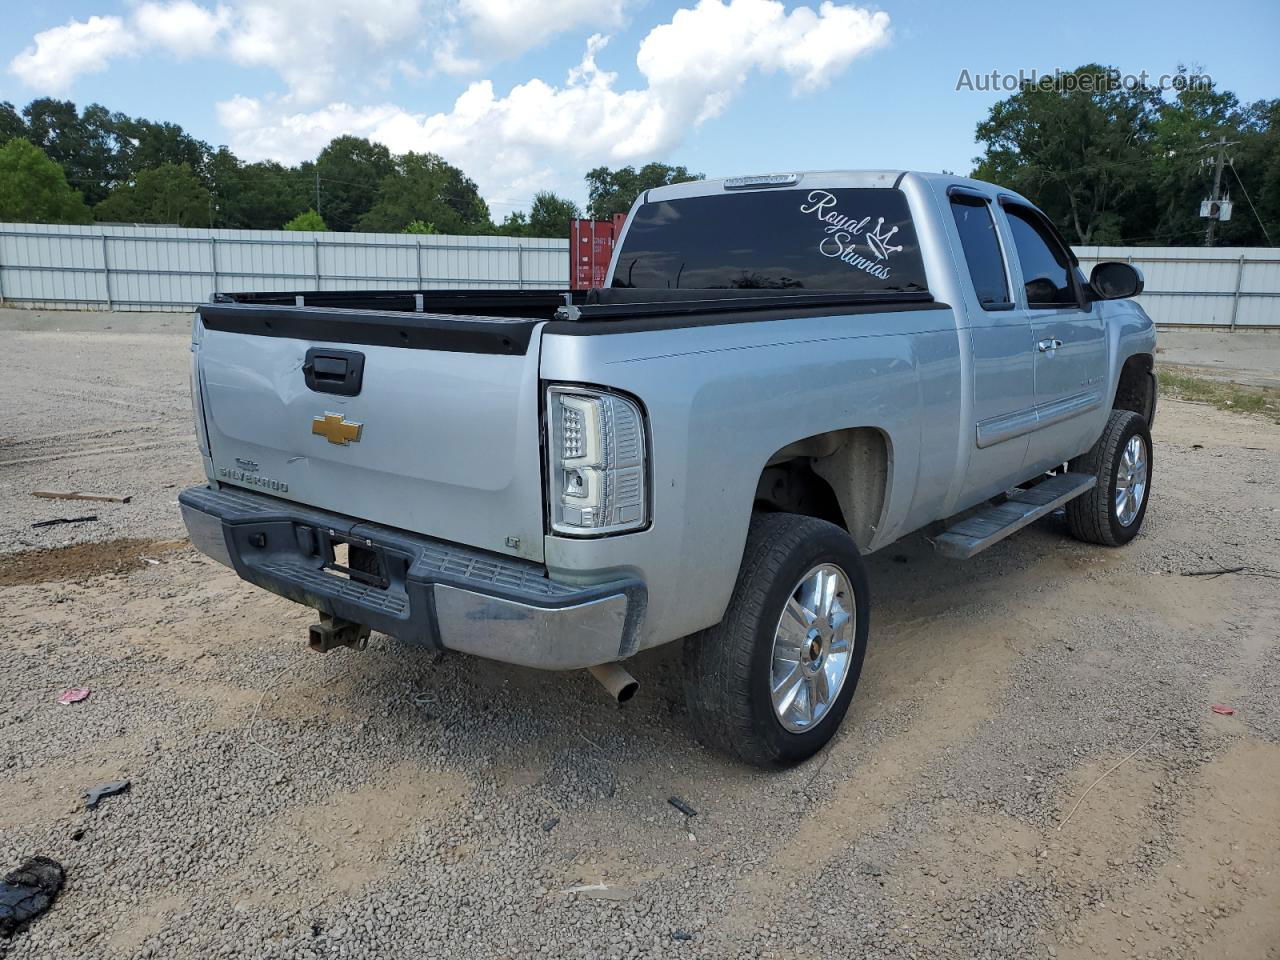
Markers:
point(1136, 389)
point(841, 477)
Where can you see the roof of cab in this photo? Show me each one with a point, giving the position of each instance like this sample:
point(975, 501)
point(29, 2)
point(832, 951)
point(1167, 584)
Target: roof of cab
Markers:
point(847, 179)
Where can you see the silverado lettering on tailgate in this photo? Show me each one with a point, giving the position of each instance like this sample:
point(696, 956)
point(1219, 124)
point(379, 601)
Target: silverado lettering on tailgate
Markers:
point(233, 475)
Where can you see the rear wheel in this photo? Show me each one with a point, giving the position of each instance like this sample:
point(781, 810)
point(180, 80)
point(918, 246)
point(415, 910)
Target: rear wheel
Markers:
point(773, 680)
point(1112, 512)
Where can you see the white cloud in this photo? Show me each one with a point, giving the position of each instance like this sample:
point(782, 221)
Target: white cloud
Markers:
point(505, 28)
point(535, 135)
point(448, 60)
point(540, 134)
point(309, 43)
point(314, 44)
point(714, 45)
point(182, 28)
point(58, 55)
point(317, 47)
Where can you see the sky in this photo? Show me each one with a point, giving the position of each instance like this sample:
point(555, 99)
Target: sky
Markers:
point(527, 95)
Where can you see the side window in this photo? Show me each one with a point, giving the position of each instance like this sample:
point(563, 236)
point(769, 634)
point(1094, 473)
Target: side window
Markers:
point(1046, 268)
point(981, 250)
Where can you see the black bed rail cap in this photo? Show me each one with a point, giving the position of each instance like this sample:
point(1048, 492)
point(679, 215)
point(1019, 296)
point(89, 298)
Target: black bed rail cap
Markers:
point(384, 328)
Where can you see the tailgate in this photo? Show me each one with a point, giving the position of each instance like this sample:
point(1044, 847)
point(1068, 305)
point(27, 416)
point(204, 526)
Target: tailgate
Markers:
point(436, 432)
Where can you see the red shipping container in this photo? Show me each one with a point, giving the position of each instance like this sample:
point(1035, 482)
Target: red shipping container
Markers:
point(590, 249)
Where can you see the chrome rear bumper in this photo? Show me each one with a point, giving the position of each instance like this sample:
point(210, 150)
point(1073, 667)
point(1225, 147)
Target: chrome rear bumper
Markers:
point(415, 588)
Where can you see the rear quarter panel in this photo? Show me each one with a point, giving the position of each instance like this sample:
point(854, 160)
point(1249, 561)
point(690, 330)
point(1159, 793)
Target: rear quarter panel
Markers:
point(722, 399)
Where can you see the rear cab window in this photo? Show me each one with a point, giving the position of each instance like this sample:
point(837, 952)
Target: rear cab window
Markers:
point(981, 245)
point(857, 240)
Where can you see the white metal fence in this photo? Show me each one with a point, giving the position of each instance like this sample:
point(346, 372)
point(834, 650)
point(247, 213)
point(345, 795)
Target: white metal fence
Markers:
point(170, 268)
point(1202, 286)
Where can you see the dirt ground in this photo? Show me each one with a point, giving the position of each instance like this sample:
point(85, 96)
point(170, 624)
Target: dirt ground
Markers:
point(394, 803)
point(1248, 357)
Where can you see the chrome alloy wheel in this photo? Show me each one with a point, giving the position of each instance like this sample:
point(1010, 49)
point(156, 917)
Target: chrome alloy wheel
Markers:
point(812, 647)
point(1131, 480)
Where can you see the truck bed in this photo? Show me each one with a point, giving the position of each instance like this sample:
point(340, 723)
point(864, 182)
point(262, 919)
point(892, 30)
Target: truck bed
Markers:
point(501, 321)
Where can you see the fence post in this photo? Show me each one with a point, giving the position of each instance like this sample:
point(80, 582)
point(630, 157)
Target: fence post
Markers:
point(1, 270)
point(315, 242)
point(213, 262)
point(106, 273)
point(519, 265)
point(1235, 297)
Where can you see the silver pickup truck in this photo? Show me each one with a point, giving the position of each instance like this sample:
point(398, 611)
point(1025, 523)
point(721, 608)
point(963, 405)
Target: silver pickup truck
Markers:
point(783, 374)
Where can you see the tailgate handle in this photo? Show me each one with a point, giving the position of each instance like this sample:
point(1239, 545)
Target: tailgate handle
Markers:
point(334, 371)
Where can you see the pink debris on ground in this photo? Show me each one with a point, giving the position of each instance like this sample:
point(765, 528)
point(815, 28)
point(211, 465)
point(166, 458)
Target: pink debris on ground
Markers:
point(74, 695)
point(1223, 709)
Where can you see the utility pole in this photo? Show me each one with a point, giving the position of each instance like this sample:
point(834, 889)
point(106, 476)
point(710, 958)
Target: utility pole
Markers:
point(1222, 143)
point(318, 184)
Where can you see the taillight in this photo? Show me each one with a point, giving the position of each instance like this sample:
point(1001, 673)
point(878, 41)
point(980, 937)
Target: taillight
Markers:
point(197, 403)
point(595, 462)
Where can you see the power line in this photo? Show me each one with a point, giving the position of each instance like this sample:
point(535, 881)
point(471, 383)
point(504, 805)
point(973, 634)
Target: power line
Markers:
point(1245, 190)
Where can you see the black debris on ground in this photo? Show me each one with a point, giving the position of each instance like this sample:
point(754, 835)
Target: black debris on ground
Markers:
point(95, 794)
point(28, 892)
point(59, 520)
point(683, 807)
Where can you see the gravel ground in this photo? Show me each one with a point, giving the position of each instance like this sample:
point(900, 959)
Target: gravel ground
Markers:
point(392, 803)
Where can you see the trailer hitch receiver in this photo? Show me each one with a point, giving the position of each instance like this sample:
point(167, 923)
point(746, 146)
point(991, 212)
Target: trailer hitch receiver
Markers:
point(333, 632)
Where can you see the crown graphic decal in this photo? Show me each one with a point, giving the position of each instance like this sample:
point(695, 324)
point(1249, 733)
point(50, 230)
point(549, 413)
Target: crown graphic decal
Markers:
point(879, 242)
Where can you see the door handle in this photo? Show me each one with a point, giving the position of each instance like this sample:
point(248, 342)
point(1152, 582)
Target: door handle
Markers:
point(1048, 346)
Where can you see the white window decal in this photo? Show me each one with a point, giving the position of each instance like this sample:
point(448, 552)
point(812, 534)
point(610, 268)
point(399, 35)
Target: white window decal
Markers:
point(843, 233)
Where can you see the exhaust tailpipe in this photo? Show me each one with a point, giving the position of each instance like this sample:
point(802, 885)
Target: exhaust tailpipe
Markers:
point(332, 632)
point(621, 685)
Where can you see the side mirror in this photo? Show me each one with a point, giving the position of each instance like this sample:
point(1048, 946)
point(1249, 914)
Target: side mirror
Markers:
point(1113, 280)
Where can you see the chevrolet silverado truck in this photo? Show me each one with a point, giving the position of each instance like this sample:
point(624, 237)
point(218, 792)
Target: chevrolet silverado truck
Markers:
point(784, 374)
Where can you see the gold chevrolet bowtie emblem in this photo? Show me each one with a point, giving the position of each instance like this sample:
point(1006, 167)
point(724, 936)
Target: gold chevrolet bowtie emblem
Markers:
point(336, 429)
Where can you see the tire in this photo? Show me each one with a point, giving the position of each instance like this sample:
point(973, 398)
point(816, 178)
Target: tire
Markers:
point(1096, 517)
point(729, 668)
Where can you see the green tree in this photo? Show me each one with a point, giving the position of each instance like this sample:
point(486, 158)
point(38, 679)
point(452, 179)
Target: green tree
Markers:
point(1112, 165)
point(12, 125)
point(307, 220)
point(549, 215)
point(84, 145)
point(33, 189)
point(145, 145)
point(1185, 132)
point(514, 224)
point(350, 170)
point(425, 187)
point(614, 191)
point(1261, 173)
point(170, 194)
point(101, 150)
point(1079, 146)
point(253, 196)
point(421, 226)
